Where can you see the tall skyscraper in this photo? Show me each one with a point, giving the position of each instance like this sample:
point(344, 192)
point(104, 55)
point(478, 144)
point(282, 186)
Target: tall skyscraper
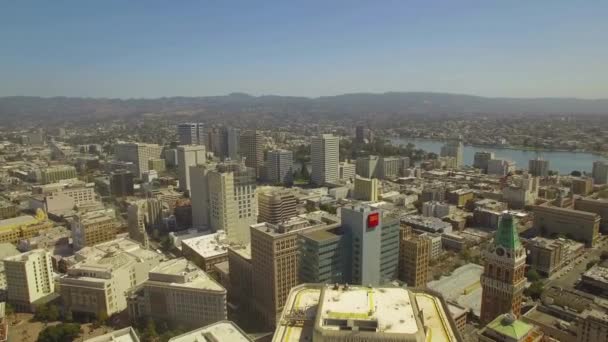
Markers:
point(252, 148)
point(231, 138)
point(187, 156)
point(325, 158)
point(600, 172)
point(224, 198)
point(481, 159)
point(503, 279)
point(29, 277)
point(414, 253)
point(138, 153)
point(279, 167)
point(374, 246)
point(192, 133)
point(454, 149)
point(137, 217)
point(360, 134)
point(538, 167)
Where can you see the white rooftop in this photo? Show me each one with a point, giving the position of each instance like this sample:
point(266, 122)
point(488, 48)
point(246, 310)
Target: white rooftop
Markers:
point(122, 335)
point(209, 245)
point(220, 331)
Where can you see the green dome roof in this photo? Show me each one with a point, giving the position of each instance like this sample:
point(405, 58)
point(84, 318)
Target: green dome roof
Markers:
point(507, 235)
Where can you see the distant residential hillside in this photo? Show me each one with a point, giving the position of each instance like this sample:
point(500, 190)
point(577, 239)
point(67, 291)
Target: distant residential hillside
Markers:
point(394, 103)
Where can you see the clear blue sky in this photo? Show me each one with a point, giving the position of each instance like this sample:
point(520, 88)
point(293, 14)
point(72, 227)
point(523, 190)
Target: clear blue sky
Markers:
point(129, 48)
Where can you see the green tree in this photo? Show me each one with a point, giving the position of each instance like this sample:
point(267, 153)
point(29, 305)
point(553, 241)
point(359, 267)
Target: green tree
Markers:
point(52, 313)
point(9, 309)
point(63, 332)
point(576, 173)
point(532, 275)
point(535, 290)
point(41, 313)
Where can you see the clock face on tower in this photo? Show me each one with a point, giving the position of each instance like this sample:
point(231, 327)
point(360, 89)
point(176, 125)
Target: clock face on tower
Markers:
point(500, 251)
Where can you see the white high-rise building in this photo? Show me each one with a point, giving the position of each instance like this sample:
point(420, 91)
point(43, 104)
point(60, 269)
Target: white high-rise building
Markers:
point(29, 277)
point(279, 167)
point(138, 154)
point(191, 133)
point(455, 150)
point(600, 172)
point(187, 156)
point(224, 198)
point(325, 155)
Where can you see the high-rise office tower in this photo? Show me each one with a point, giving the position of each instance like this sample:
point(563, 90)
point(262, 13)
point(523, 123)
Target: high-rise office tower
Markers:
point(276, 205)
point(325, 154)
point(29, 277)
point(187, 156)
point(454, 149)
point(138, 154)
point(192, 133)
point(224, 198)
point(414, 259)
point(481, 159)
point(360, 134)
point(121, 183)
point(374, 246)
point(503, 279)
point(538, 167)
point(275, 260)
point(279, 167)
point(137, 217)
point(251, 147)
point(231, 138)
point(366, 189)
point(600, 172)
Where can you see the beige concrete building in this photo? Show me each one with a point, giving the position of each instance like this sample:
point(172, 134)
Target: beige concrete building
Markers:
point(98, 278)
point(92, 228)
point(208, 250)
point(582, 185)
point(459, 197)
point(137, 217)
point(592, 205)
point(241, 276)
point(276, 205)
point(56, 173)
point(367, 189)
point(188, 155)
point(575, 224)
point(29, 278)
point(157, 164)
point(592, 326)
point(224, 198)
point(138, 154)
point(325, 158)
point(179, 292)
point(413, 258)
point(336, 313)
point(275, 262)
point(23, 227)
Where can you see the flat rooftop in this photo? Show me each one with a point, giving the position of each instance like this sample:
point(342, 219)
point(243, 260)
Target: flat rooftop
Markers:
point(220, 331)
point(186, 274)
point(122, 335)
point(209, 245)
point(383, 308)
point(462, 287)
point(17, 221)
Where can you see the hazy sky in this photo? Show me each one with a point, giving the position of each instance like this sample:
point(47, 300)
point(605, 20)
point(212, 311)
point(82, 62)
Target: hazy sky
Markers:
point(132, 48)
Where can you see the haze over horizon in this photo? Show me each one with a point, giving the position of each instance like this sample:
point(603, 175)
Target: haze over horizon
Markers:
point(155, 49)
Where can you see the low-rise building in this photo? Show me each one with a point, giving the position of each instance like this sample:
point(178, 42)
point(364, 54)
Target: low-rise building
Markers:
point(596, 279)
point(594, 205)
point(207, 250)
point(179, 292)
point(23, 227)
point(427, 224)
point(575, 224)
point(92, 228)
point(99, 277)
point(127, 334)
point(507, 328)
point(366, 189)
point(581, 185)
point(459, 197)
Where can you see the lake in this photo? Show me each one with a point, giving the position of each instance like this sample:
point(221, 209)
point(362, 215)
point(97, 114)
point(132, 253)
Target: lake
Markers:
point(563, 162)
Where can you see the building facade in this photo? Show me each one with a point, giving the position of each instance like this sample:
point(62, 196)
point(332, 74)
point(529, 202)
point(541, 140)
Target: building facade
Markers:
point(187, 156)
point(414, 258)
point(251, 147)
point(600, 172)
point(503, 279)
point(538, 167)
point(138, 153)
point(276, 205)
point(29, 278)
point(325, 155)
point(279, 167)
point(191, 133)
point(575, 224)
point(92, 228)
point(366, 189)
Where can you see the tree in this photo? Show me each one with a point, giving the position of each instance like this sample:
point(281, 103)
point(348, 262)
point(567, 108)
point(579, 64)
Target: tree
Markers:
point(576, 173)
point(52, 313)
point(60, 333)
point(9, 309)
point(532, 275)
point(41, 313)
point(535, 290)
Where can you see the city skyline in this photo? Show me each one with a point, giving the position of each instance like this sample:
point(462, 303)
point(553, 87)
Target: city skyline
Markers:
point(129, 50)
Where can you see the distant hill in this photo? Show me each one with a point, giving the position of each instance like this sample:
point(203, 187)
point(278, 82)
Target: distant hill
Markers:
point(36, 108)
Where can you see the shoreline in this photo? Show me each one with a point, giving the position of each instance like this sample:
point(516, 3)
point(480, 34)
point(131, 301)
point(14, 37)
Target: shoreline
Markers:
point(514, 148)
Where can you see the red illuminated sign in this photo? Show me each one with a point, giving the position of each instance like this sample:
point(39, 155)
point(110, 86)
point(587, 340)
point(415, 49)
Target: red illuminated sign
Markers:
point(373, 220)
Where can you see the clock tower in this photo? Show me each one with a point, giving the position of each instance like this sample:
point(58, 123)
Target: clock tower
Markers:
point(503, 278)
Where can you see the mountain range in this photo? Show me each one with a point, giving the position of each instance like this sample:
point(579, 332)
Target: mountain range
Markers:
point(356, 104)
